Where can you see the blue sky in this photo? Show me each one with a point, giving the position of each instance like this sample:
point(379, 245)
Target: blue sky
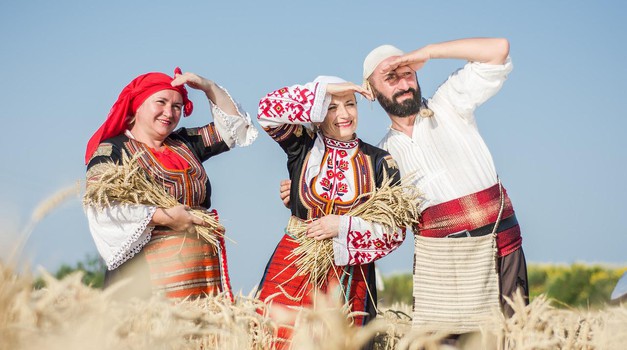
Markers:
point(556, 129)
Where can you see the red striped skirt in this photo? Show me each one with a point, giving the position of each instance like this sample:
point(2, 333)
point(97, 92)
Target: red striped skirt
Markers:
point(184, 266)
point(291, 291)
point(471, 212)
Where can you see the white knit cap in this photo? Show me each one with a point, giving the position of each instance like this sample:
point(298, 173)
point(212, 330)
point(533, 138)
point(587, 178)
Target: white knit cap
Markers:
point(328, 79)
point(377, 56)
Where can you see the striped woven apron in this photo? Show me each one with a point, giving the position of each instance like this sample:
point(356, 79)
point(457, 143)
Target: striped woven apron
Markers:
point(456, 285)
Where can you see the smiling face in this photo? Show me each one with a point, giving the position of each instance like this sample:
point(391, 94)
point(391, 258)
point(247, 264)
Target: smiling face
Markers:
point(341, 120)
point(398, 91)
point(158, 115)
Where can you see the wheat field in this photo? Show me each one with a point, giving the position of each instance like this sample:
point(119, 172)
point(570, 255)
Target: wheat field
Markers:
point(69, 315)
point(66, 314)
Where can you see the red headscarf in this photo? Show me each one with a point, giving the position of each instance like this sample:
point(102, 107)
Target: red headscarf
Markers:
point(131, 97)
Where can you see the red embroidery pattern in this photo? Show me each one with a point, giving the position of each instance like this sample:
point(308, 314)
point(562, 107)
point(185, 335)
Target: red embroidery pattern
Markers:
point(366, 247)
point(296, 109)
point(334, 183)
point(362, 242)
point(344, 168)
point(333, 173)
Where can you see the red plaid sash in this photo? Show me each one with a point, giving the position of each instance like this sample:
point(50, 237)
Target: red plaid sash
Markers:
point(471, 212)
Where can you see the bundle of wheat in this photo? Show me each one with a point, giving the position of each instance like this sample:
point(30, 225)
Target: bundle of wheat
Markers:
point(128, 183)
point(392, 205)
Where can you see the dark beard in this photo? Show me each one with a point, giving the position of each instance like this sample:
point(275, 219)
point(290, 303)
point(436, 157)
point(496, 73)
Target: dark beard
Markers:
point(404, 109)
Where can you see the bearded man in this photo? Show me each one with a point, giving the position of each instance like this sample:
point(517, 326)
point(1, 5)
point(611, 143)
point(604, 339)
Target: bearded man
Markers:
point(437, 145)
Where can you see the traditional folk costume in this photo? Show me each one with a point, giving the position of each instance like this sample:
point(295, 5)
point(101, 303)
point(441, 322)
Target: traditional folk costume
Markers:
point(327, 177)
point(454, 169)
point(158, 259)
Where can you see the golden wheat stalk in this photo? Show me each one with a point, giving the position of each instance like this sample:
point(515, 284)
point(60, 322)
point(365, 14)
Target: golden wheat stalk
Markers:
point(128, 183)
point(392, 205)
point(42, 210)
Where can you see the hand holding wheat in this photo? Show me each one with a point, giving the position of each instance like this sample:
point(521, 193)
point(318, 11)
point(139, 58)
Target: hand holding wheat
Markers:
point(392, 205)
point(128, 183)
point(323, 228)
point(179, 218)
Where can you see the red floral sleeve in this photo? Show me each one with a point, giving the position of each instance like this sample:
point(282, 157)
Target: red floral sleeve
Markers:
point(298, 104)
point(365, 242)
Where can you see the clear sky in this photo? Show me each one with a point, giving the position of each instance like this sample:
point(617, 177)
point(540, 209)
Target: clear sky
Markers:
point(556, 130)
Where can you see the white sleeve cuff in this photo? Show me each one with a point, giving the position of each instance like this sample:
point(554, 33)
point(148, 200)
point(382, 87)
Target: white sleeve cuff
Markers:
point(120, 231)
point(493, 71)
point(340, 246)
point(235, 130)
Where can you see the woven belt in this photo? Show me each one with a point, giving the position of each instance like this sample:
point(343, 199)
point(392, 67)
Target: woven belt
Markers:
point(291, 223)
point(505, 224)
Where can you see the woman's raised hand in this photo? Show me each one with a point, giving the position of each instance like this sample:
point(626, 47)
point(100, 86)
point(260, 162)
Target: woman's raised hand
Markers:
point(218, 96)
point(337, 89)
point(193, 80)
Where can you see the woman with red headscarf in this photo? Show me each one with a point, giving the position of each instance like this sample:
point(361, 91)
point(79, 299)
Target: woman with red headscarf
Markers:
point(158, 247)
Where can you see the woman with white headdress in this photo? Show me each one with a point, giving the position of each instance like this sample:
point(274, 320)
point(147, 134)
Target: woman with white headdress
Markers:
point(330, 169)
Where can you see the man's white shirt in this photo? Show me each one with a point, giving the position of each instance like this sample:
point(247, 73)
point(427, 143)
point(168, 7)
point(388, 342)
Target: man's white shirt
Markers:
point(446, 156)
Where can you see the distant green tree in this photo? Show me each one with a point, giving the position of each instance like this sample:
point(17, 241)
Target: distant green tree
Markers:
point(583, 285)
point(396, 288)
point(536, 278)
point(93, 269)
